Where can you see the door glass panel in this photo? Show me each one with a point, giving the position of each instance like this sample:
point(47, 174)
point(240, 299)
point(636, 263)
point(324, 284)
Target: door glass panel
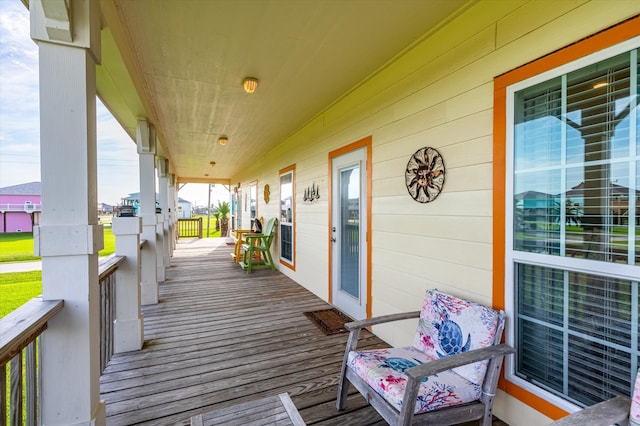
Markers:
point(350, 231)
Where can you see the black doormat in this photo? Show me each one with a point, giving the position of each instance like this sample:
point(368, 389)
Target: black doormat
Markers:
point(329, 321)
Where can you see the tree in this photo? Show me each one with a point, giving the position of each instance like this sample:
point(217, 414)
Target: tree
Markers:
point(224, 210)
point(216, 215)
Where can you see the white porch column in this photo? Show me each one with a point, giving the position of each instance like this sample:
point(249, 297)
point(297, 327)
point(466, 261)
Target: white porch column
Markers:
point(129, 323)
point(163, 194)
point(146, 140)
point(159, 247)
point(69, 237)
point(173, 221)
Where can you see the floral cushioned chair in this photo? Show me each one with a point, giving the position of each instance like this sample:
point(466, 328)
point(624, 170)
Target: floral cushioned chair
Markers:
point(448, 376)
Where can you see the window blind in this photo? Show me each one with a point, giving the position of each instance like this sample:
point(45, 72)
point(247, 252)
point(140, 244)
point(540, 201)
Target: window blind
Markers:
point(576, 333)
point(576, 174)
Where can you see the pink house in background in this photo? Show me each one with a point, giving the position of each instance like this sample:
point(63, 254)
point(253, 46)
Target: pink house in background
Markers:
point(20, 207)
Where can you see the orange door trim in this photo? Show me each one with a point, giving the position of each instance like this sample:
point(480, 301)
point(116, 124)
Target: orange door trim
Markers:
point(362, 143)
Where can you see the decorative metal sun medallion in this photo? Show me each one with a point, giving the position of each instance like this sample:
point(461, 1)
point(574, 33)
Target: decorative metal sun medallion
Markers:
point(425, 175)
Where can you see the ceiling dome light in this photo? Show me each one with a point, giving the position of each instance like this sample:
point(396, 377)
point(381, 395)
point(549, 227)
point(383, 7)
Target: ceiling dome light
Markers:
point(223, 140)
point(213, 163)
point(250, 84)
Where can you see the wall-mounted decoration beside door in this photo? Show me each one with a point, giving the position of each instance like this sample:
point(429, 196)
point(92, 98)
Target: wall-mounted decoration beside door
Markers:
point(267, 192)
point(424, 176)
point(311, 195)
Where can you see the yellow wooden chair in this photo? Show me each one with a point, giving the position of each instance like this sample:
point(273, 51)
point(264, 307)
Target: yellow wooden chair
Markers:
point(257, 248)
point(239, 240)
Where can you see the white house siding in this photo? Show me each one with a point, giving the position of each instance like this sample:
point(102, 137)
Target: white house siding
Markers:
point(438, 94)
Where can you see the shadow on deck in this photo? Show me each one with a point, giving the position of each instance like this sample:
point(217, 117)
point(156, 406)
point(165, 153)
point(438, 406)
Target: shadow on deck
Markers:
point(220, 337)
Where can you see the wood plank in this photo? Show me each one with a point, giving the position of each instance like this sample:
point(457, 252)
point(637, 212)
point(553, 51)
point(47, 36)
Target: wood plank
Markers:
point(220, 338)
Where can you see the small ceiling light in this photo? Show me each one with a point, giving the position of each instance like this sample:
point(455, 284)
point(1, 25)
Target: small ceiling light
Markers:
point(223, 140)
point(213, 163)
point(250, 84)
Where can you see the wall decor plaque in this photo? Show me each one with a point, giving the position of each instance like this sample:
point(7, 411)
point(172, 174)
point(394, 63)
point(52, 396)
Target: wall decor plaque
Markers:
point(424, 176)
point(267, 192)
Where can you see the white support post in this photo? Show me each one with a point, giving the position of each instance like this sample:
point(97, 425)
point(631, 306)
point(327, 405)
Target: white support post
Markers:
point(69, 237)
point(146, 141)
point(159, 247)
point(173, 220)
point(129, 323)
point(163, 193)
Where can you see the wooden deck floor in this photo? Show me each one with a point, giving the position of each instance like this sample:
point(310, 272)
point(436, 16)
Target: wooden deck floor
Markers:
point(220, 337)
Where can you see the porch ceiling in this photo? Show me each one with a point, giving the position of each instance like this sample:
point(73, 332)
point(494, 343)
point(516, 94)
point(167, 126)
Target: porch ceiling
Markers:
point(181, 64)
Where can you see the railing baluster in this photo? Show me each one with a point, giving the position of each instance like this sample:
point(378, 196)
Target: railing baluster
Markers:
point(103, 327)
point(15, 404)
point(107, 270)
point(3, 394)
point(32, 384)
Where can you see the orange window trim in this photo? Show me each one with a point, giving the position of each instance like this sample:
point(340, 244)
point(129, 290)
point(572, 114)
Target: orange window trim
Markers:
point(604, 39)
point(362, 143)
point(291, 168)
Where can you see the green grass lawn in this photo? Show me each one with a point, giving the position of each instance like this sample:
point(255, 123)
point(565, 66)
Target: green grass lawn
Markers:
point(18, 246)
point(17, 288)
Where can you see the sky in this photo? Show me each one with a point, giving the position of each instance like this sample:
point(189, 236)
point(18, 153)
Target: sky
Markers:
point(20, 129)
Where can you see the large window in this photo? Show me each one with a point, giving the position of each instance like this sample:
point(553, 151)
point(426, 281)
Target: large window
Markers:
point(573, 228)
point(287, 216)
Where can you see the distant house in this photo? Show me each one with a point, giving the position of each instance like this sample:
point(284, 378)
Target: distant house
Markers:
point(105, 208)
point(618, 196)
point(184, 206)
point(20, 207)
point(184, 209)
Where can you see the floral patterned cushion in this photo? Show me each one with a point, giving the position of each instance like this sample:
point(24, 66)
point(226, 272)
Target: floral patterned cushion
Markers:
point(449, 325)
point(634, 415)
point(383, 370)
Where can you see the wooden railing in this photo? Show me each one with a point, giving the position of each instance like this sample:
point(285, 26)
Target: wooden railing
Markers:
point(19, 339)
point(190, 228)
point(107, 276)
point(22, 207)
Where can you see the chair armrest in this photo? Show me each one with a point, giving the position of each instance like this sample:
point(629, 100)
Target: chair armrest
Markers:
point(240, 233)
point(250, 237)
point(609, 412)
point(357, 325)
point(421, 371)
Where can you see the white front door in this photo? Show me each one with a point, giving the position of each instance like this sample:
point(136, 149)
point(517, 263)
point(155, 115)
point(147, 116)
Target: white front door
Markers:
point(348, 233)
